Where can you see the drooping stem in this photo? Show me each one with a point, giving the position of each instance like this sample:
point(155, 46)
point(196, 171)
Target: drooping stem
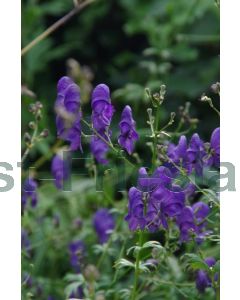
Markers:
point(55, 26)
point(137, 269)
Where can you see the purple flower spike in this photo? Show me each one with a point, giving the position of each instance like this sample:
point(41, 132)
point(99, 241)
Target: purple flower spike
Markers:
point(135, 216)
point(29, 192)
point(76, 252)
point(68, 112)
point(102, 109)
point(128, 134)
point(103, 223)
point(60, 170)
point(203, 281)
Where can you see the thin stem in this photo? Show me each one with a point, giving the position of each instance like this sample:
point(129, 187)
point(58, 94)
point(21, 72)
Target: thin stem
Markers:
point(107, 142)
point(109, 242)
point(31, 144)
point(137, 270)
point(120, 256)
point(154, 156)
point(55, 26)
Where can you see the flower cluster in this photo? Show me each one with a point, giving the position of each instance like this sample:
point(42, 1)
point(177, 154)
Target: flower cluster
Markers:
point(155, 200)
point(103, 223)
point(158, 199)
point(196, 155)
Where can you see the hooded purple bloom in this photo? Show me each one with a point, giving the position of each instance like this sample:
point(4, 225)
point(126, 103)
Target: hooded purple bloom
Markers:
point(178, 154)
point(201, 211)
point(60, 170)
point(213, 158)
point(128, 134)
point(99, 149)
point(192, 219)
point(154, 201)
point(76, 252)
point(102, 110)
point(103, 223)
point(68, 112)
point(29, 192)
point(135, 217)
point(195, 153)
point(202, 279)
point(186, 223)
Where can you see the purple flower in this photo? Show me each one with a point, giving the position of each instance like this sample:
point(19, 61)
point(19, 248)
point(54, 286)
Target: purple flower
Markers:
point(196, 153)
point(178, 154)
point(213, 158)
point(186, 223)
point(102, 110)
point(201, 211)
point(128, 134)
point(60, 170)
point(76, 252)
point(135, 217)
point(99, 149)
point(192, 220)
point(103, 223)
point(29, 192)
point(67, 107)
point(202, 279)
point(154, 201)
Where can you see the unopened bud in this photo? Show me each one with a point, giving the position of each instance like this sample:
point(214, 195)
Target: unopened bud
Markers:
point(91, 273)
point(216, 87)
point(32, 108)
point(32, 125)
point(44, 133)
point(39, 105)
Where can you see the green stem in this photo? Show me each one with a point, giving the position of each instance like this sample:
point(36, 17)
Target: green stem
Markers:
point(55, 26)
point(154, 156)
point(108, 143)
point(137, 270)
point(25, 154)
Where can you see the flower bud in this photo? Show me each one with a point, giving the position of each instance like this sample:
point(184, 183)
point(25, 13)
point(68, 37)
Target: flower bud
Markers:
point(215, 88)
point(91, 273)
point(39, 105)
point(44, 133)
point(32, 125)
